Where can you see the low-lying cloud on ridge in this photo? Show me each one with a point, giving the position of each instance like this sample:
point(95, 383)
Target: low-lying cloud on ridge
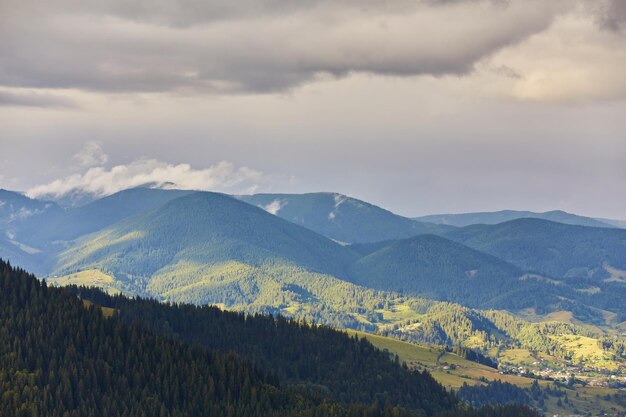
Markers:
point(99, 181)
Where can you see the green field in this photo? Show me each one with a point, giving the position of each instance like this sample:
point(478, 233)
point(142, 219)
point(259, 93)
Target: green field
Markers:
point(580, 400)
point(90, 277)
point(430, 358)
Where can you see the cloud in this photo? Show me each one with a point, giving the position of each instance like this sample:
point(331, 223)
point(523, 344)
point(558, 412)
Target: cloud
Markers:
point(91, 155)
point(99, 181)
point(612, 15)
point(572, 61)
point(253, 46)
point(274, 46)
point(35, 99)
point(274, 207)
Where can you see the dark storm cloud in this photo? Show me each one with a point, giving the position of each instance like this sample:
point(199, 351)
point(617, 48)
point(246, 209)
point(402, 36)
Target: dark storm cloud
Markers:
point(250, 46)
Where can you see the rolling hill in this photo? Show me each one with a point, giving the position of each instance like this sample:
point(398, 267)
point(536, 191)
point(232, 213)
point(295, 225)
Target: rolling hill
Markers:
point(495, 217)
point(434, 267)
point(341, 218)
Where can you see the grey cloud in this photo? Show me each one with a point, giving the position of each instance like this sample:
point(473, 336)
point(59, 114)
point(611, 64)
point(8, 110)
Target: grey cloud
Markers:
point(123, 47)
point(613, 15)
point(185, 13)
point(30, 99)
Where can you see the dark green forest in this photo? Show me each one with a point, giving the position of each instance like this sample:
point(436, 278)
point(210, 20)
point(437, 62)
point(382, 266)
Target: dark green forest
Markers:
point(313, 358)
point(60, 357)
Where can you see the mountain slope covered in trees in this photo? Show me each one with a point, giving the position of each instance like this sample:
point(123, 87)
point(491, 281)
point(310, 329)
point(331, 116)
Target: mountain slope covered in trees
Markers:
point(435, 267)
point(62, 357)
point(551, 248)
point(200, 230)
point(211, 248)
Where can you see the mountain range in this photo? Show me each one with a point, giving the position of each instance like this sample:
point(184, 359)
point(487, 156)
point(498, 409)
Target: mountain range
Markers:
point(323, 256)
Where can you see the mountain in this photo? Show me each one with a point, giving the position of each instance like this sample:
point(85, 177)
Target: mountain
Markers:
point(38, 230)
point(434, 267)
point(341, 218)
point(211, 248)
point(199, 237)
point(466, 219)
point(551, 248)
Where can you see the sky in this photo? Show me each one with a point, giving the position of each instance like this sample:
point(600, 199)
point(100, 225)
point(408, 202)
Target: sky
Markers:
point(419, 106)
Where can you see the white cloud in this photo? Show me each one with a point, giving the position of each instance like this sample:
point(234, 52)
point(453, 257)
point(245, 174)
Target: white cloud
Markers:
point(274, 207)
point(99, 181)
point(572, 61)
point(91, 155)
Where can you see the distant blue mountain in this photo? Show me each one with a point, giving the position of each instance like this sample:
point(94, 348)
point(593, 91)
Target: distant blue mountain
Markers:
point(342, 218)
point(495, 217)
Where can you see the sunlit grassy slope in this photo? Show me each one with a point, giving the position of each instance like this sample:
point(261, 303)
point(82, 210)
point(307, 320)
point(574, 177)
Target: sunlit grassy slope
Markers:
point(580, 400)
point(438, 363)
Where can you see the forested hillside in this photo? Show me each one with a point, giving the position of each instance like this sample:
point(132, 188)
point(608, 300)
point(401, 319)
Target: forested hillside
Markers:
point(316, 358)
point(60, 356)
point(433, 267)
point(551, 248)
point(203, 229)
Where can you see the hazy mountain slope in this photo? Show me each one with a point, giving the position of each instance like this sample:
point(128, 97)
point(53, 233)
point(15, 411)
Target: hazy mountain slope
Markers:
point(341, 218)
point(438, 268)
point(466, 219)
point(616, 223)
point(556, 249)
point(15, 206)
point(17, 210)
point(71, 223)
point(203, 229)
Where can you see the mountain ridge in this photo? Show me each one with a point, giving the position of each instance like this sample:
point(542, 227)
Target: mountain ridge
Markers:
point(495, 217)
point(340, 217)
